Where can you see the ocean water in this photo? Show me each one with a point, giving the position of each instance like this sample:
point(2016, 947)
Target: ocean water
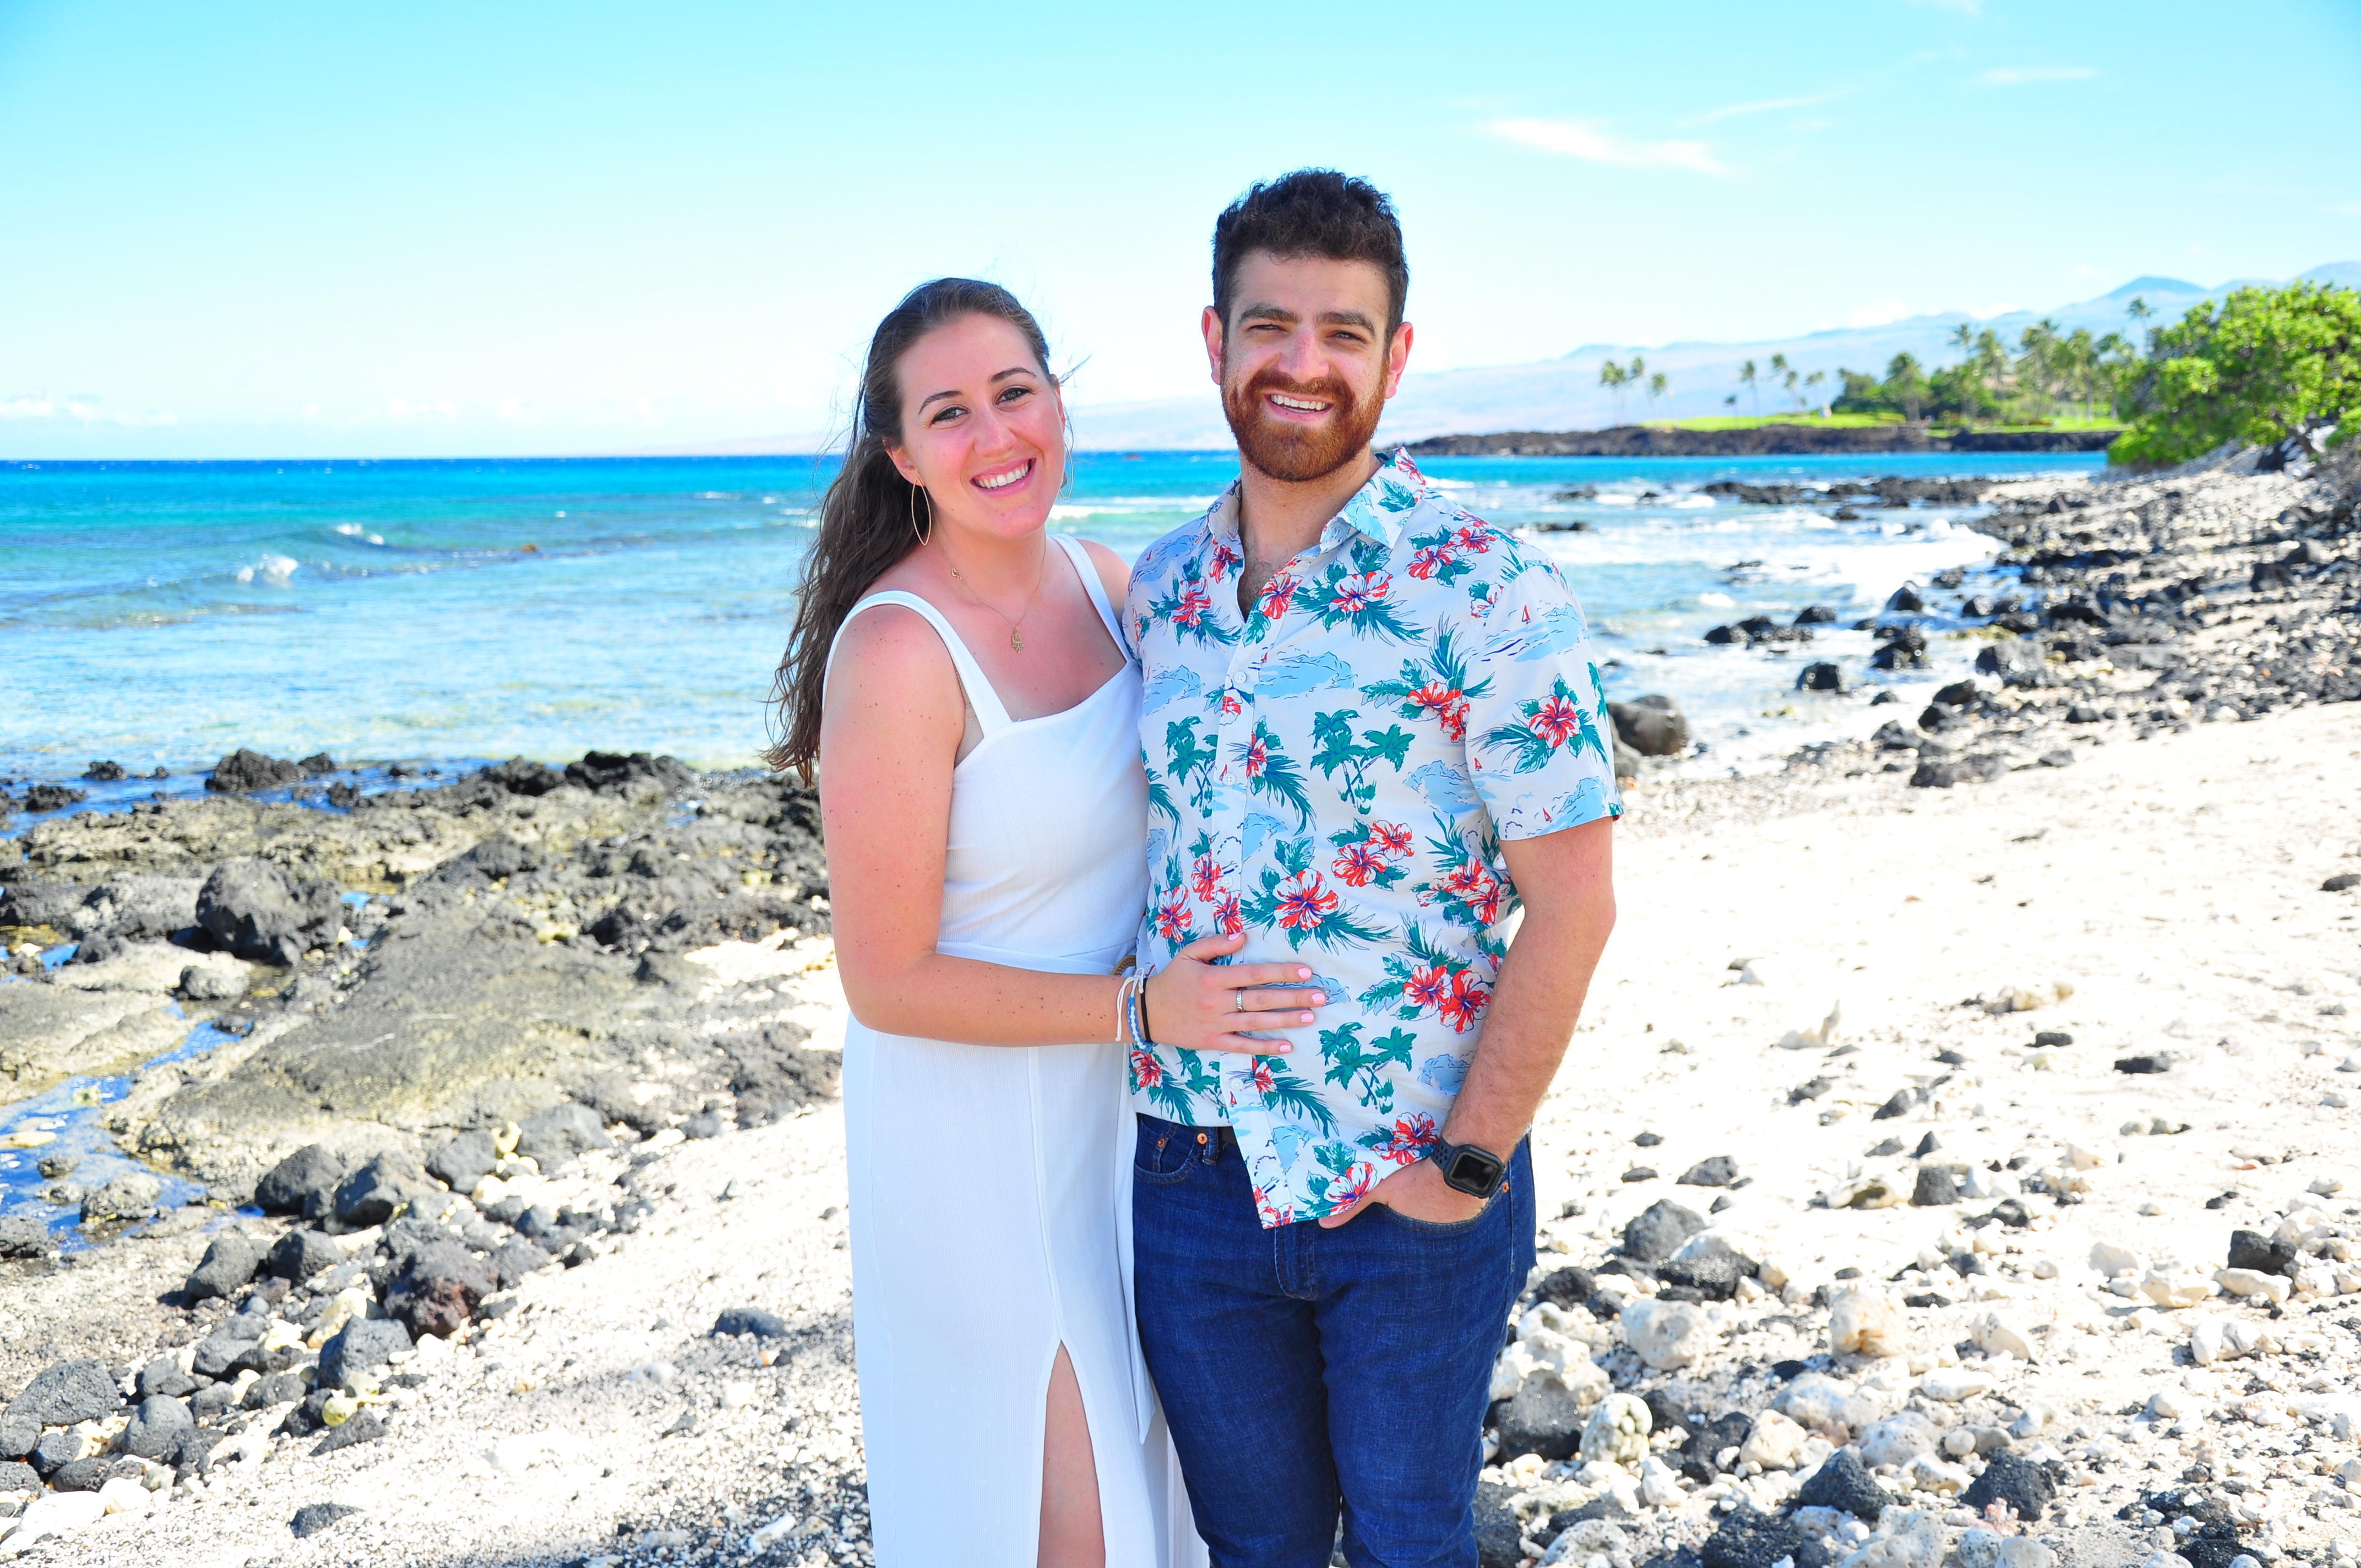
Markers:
point(158, 615)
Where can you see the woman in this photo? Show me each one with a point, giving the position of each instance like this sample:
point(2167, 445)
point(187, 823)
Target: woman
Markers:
point(960, 679)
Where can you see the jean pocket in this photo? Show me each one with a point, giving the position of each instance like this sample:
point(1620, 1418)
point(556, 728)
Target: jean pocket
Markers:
point(1446, 1227)
point(1165, 1151)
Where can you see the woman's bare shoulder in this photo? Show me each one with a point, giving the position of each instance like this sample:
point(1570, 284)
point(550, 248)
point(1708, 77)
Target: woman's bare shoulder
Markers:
point(892, 645)
point(1115, 571)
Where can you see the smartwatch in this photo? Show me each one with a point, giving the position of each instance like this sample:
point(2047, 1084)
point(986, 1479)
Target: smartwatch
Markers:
point(1467, 1168)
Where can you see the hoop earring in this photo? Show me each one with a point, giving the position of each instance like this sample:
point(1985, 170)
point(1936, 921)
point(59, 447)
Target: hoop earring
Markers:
point(926, 538)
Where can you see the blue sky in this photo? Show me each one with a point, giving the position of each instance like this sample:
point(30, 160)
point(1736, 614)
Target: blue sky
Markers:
point(254, 229)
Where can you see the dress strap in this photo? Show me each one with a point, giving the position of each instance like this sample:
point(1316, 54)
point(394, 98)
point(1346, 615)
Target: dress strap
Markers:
point(1088, 570)
point(991, 713)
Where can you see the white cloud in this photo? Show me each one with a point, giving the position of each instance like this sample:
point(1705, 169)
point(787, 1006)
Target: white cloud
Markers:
point(1884, 313)
point(1765, 106)
point(1570, 139)
point(2026, 76)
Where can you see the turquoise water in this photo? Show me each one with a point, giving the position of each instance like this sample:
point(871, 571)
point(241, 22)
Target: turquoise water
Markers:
point(161, 614)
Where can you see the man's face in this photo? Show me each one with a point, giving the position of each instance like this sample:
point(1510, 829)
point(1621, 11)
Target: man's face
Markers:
point(1304, 364)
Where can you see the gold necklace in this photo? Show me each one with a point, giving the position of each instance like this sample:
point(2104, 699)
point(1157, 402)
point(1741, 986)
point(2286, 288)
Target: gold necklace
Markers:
point(1015, 635)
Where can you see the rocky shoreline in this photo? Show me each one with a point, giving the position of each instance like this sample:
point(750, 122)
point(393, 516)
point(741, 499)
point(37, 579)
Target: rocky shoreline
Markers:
point(1760, 440)
point(498, 1217)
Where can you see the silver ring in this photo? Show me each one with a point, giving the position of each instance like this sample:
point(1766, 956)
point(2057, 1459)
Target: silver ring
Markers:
point(1241, 995)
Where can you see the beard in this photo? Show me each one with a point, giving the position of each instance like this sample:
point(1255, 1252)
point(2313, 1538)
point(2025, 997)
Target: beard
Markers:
point(1293, 454)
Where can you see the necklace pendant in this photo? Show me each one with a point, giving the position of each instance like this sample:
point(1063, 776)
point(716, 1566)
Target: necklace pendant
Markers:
point(1016, 640)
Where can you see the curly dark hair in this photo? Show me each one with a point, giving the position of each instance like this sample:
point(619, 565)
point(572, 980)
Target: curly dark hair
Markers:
point(1313, 211)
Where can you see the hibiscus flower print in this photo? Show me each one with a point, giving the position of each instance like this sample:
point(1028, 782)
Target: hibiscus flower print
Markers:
point(1357, 865)
point(1205, 877)
point(1390, 837)
point(1428, 987)
point(1358, 592)
point(1558, 720)
point(1257, 756)
point(1194, 603)
point(1172, 918)
point(1146, 1072)
point(1225, 560)
point(1409, 1138)
point(1277, 594)
point(1227, 918)
point(1475, 541)
point(1431, 560)
point(1469, 996)
point(1304, 903)
point(1446, 704)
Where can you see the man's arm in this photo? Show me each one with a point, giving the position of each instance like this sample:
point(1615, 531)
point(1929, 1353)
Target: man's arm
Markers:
point(1567, 883)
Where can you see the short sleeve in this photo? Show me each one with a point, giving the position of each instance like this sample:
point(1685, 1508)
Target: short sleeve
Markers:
point(1540, 746)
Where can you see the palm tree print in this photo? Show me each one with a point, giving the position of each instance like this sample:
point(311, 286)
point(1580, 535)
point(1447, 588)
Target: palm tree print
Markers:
point(1362, 1069)
point(1339, 751)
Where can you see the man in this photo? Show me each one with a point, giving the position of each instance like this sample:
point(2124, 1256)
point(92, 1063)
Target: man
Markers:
point(1373, 732)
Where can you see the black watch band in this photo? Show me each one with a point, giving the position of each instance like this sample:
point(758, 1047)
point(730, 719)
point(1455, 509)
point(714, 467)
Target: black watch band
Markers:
point(1467, 1168)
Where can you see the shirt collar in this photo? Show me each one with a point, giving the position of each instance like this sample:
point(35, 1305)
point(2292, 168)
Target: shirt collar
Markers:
point(1378, 511)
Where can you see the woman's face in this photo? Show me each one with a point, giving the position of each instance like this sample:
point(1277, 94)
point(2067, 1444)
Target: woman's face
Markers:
point(982, 428)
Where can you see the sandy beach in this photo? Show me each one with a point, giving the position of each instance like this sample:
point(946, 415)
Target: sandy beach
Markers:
point(1975, 1083)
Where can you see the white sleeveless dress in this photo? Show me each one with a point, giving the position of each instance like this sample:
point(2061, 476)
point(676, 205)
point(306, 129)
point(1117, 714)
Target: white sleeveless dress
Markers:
point(991, 1185)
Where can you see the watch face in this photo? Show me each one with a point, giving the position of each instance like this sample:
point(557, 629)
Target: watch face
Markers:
point(1474, 1172)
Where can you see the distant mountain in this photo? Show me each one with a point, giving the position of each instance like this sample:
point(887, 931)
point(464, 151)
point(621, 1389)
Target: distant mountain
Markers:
point(1564, 394)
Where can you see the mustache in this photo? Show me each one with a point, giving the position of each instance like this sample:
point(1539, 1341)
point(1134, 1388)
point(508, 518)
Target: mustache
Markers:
point(1327, 389)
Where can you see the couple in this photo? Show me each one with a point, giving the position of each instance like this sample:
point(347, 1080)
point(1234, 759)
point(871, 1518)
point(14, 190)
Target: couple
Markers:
point(1146, 1274)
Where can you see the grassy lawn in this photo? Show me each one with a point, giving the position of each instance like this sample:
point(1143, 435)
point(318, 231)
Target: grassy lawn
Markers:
point(1858, 421)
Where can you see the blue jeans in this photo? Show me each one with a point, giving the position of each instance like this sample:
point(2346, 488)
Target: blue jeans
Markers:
point(1303, 1370)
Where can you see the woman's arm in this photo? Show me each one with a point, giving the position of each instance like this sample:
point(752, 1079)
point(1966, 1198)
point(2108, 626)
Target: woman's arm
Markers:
point(889, 738)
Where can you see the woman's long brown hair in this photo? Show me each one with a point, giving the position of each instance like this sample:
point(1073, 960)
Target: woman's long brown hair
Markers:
point(866, 518)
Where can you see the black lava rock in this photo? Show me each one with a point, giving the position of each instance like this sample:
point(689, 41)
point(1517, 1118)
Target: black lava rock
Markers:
point(16, 1475)
point(2048, 1038)
point(56, 1448)
point(1658, 1232)
point(211, 1403)
point(2144, 1064)
point(512, 1260)
point(365, 1427)
point(750, 1320)
point(52, 797)
point(163, 1376)
point(463, 1162)
point(59, 1395)
point(276, 1388)
point(1843, 1481)
point(1500, 1539)
point(1653, 725)
point(370, 1195)
point(2267, 1255)
point(80, 1474)
point(439, 1288)
point(1935, 1188)
point(554, 1136)
point(1568, 1287)
point(1899, 1105)
point(304, 1183)
point(1707, 1438)
point(1713, 1277)
point(244, 770)
point(229, 1262)
point(2013, 1480)
point(360, 1350)
point(313, 1517)
point(228, 1351)
point(1816, 615)
point(302, 1253)
point(612, 771)
point(156, 1426)
point(1746, 1539)
point(1716, 1170)
point(259, 912)
point(2340, 882)
point(519, 777)
point(1820, 676)
point(21, 1235)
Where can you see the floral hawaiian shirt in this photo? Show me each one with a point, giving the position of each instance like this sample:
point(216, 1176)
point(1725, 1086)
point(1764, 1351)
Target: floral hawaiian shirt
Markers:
point(1333, 774)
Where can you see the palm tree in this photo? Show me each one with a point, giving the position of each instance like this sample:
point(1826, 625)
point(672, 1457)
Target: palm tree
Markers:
point(1612, 376)
point(2139, 310)
point(1746, 379)
point(1814, 380)
point(1658, 384)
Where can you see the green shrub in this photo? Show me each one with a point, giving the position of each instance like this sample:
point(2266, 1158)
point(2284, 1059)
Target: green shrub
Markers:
point(2272, 368)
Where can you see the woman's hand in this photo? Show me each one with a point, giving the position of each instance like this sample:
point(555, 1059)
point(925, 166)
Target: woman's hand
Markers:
point(1198, 1005)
